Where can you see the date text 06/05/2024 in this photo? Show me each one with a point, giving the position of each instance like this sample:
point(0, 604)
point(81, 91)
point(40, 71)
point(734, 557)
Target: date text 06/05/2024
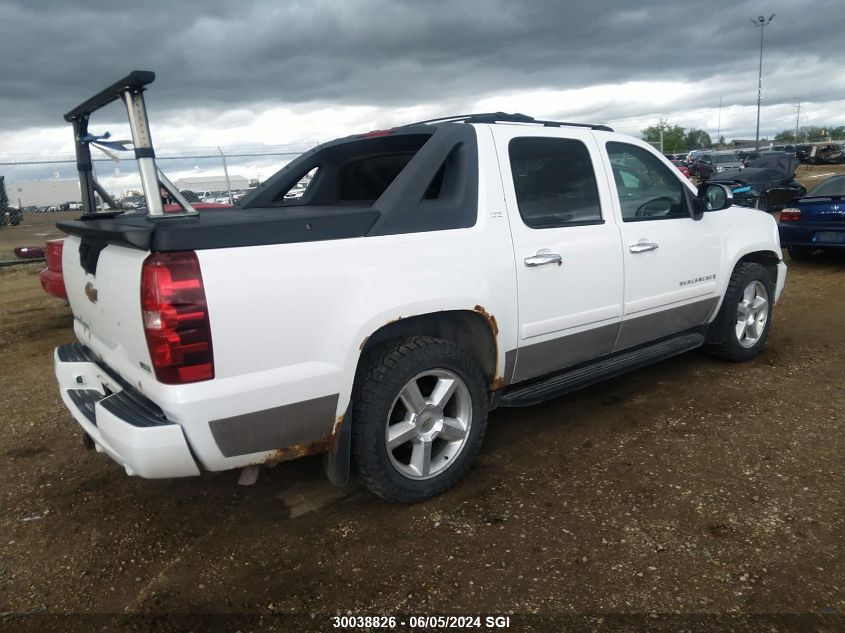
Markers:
point(421, 621)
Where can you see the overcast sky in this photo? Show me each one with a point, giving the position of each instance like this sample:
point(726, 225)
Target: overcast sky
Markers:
point(274, 72)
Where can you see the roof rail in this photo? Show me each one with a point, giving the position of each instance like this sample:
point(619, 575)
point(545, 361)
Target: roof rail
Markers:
point(503, 117)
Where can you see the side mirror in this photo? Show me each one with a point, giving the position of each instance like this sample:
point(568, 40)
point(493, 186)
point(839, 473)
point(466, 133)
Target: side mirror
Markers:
point(714, 197)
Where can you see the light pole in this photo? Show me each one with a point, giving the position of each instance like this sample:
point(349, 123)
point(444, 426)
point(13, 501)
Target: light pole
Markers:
point(762, 22)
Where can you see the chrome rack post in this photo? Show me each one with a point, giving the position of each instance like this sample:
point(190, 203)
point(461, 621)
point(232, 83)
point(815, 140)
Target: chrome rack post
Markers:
point(145, 155)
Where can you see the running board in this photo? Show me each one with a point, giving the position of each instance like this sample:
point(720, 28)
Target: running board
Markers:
point(608, 367)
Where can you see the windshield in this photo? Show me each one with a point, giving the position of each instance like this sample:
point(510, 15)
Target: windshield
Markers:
point(831, 187)
point(725, 159)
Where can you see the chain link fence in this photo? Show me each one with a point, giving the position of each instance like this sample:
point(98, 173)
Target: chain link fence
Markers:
point(43, 190)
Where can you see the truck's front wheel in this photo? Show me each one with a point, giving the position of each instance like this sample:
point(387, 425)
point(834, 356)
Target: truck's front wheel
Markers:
point(741, 328)
point(419, 416)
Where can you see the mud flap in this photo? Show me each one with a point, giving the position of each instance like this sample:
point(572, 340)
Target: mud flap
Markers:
point(337, 461)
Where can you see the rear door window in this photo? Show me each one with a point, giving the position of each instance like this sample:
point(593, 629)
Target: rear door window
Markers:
point(555, 182)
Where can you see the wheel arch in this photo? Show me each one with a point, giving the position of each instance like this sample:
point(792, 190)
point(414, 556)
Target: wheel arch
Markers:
point(475, 331)
point(768, 259)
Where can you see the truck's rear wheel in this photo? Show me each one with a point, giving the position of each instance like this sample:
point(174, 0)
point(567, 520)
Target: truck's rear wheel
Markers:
point(742, 326)
point(420, 412)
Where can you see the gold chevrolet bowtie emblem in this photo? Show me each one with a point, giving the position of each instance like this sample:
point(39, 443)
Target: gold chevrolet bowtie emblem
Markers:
point(91, 292)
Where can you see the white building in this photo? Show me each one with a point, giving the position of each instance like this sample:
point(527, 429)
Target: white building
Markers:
point(40, 193)
point(211, 183)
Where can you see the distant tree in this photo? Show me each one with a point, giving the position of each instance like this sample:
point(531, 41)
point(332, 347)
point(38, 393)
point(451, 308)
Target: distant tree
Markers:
point(697, 139)
point(814, 133)
point(787, 136)
point(673, 136)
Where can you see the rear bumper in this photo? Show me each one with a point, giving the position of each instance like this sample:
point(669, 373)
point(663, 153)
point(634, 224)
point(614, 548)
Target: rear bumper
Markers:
point(122, 422)
point(808, 235)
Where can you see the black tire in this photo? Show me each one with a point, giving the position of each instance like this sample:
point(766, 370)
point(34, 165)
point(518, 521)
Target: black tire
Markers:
point(382, 375)
point(723, 341)
point(800, 254)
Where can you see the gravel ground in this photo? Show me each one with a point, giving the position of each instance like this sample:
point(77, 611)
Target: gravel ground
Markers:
point(692, 487)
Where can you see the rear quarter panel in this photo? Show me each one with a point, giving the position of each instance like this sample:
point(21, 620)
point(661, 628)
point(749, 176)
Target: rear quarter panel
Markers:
point(289, 321)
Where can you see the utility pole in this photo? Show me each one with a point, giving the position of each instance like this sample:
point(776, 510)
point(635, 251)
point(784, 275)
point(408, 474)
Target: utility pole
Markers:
point(719, 125)
point(797, 119)
point(762, 22)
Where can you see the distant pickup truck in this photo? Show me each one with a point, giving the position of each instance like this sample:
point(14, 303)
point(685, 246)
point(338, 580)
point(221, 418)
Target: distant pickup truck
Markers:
point(427, 274)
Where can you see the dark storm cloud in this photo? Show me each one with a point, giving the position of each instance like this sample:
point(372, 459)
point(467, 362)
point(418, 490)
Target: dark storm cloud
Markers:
point(222, 54)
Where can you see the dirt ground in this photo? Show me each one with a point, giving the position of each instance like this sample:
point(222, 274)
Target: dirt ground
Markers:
point(34, 230)
point(692, 487)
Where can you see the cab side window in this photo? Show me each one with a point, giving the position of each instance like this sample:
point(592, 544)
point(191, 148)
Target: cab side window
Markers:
point(555, 182)
point(647, 189)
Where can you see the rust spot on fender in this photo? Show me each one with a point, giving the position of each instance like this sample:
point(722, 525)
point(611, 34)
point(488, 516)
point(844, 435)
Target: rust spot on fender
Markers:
point(337, 424)
point(489, 318)
point(320, 445)
point(498, 383)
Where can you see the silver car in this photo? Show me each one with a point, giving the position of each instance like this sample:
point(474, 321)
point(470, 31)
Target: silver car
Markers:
point(711, 164)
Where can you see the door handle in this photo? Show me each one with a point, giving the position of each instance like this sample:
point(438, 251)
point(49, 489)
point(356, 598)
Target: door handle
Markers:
point(541, 259)
point(643, 247)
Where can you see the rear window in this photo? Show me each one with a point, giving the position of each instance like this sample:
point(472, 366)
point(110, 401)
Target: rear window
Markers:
point(831, 187)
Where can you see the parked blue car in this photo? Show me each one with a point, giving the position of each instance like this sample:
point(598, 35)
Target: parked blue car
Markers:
point(815, 221)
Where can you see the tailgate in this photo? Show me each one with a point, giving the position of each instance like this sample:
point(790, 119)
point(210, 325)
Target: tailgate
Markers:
point(106, 305)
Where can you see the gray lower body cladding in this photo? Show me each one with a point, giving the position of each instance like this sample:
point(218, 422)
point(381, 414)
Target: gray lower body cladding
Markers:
point(543, 358)
point(280, 427)
point(311, 420)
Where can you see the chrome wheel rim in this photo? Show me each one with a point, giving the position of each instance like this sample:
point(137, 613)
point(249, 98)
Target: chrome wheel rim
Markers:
point(752, 314)
point(428, 424)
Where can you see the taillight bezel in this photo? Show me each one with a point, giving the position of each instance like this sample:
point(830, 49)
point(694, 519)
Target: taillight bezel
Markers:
point(790, 214)
point(175, 318)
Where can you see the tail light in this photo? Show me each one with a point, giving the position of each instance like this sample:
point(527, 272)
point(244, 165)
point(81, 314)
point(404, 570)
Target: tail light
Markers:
point(53, 253)
point(176, 318)
point(790, 215)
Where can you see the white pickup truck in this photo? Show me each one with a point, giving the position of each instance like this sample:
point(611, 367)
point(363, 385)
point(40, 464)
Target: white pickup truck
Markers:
point(427, 274)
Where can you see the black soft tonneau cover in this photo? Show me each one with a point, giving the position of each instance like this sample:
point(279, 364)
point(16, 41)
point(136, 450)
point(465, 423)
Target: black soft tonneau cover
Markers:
point(767, 168)
point(226, 228)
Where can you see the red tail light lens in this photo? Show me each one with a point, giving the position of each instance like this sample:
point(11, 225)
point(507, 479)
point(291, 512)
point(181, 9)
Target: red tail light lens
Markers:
point(376, 134)
point(790, 215)
point(53, 253)
point(176, 318)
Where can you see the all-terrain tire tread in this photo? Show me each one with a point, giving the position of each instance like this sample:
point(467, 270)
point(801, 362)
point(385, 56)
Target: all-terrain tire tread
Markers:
point(368, 389)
